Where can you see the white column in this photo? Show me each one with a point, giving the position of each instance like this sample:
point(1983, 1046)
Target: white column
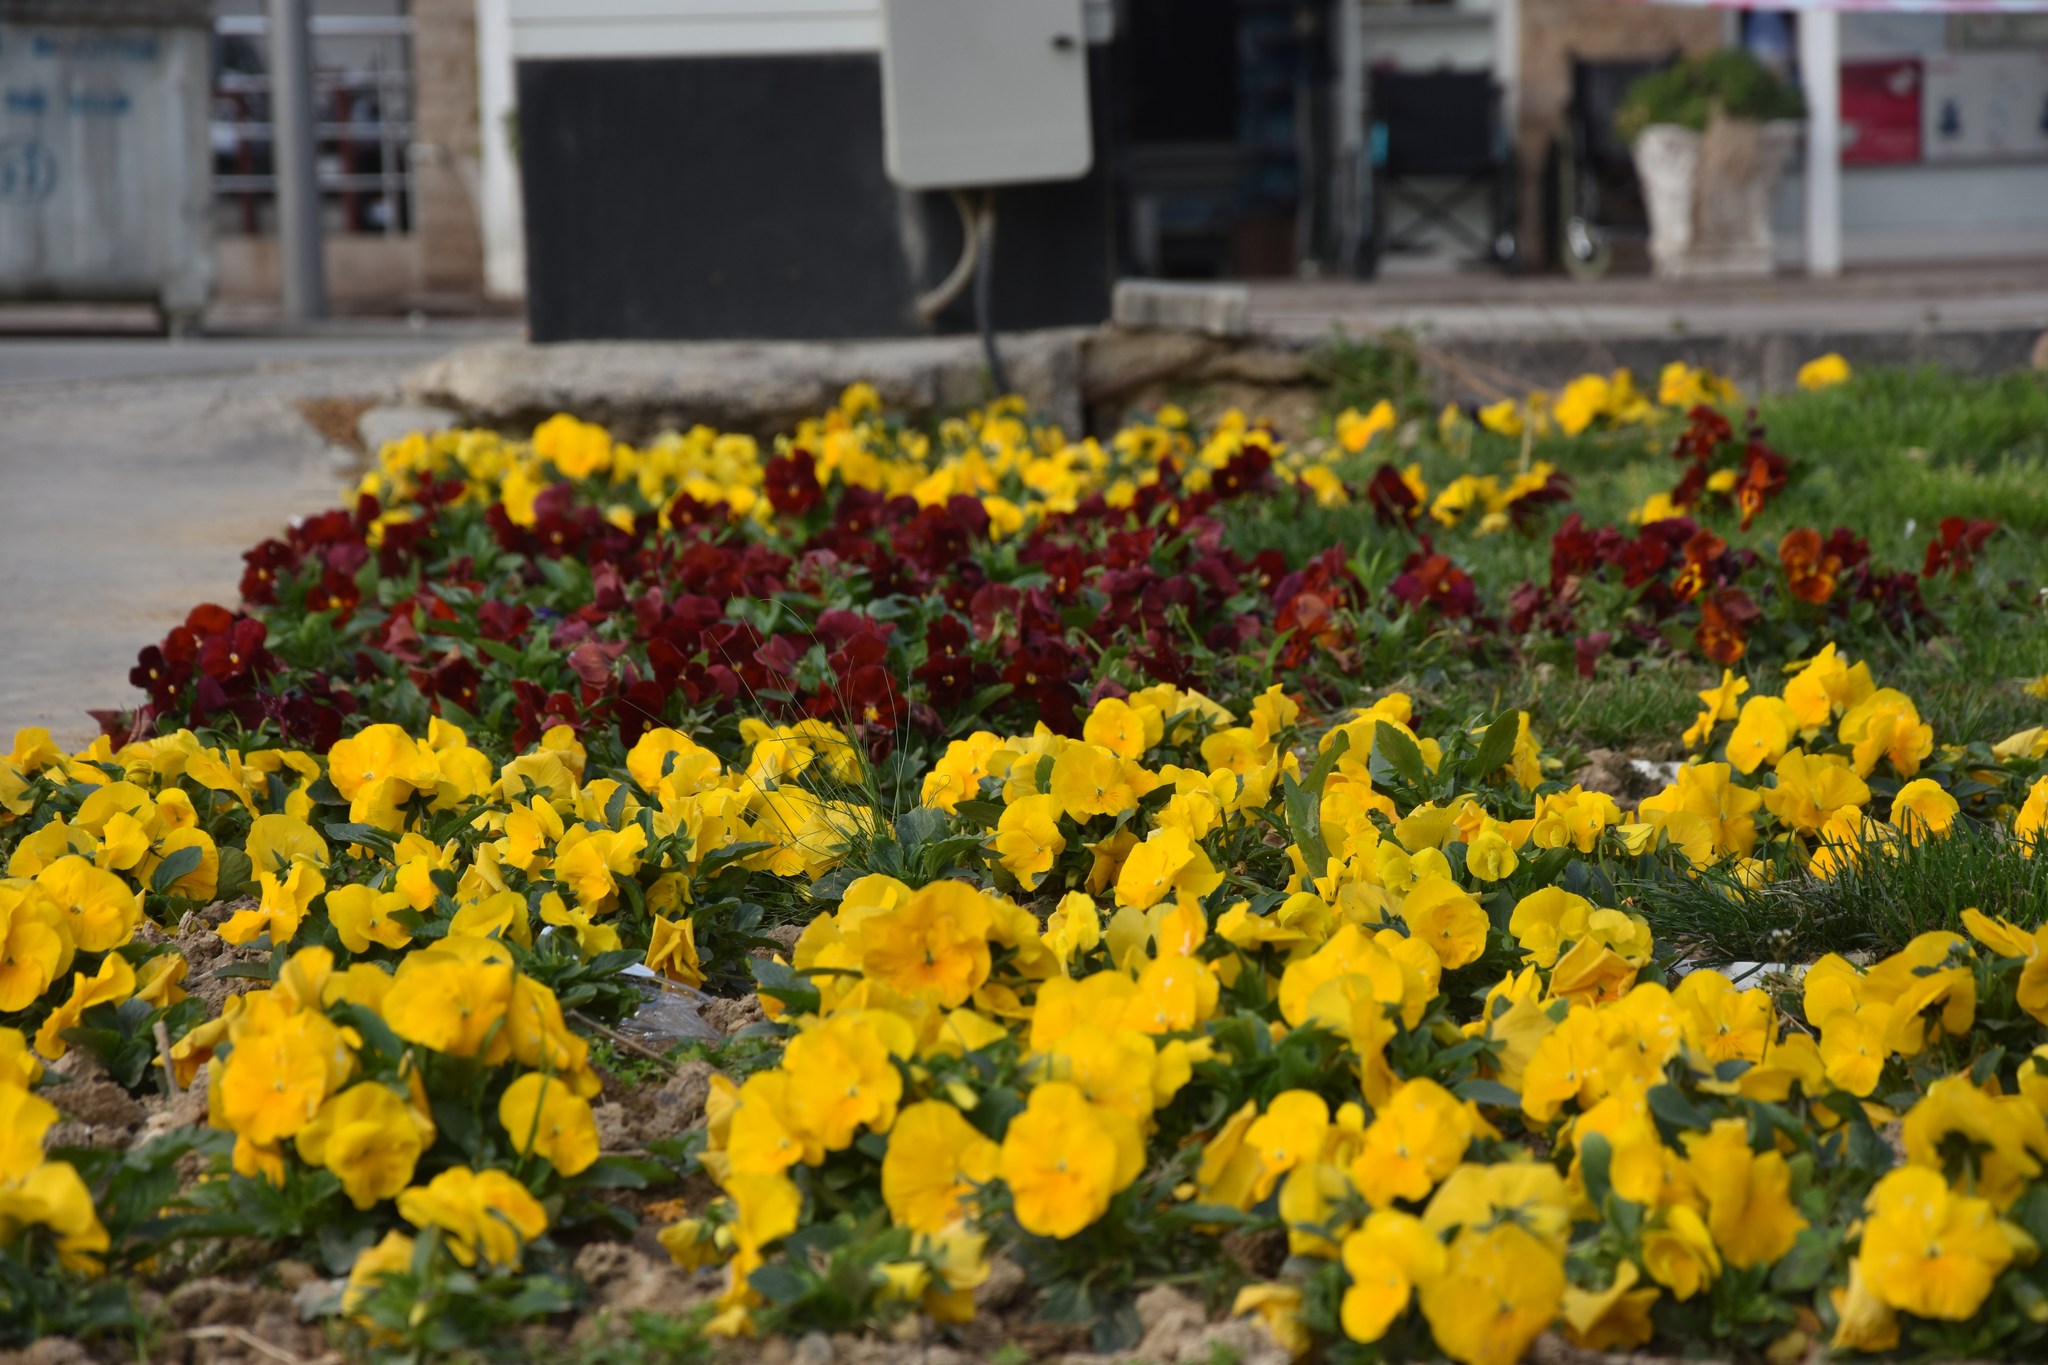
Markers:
point(1820, 67)
point(501, 218)
point(1507, 64)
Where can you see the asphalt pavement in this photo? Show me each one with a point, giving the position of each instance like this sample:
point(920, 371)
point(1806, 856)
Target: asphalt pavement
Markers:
point(135, 471)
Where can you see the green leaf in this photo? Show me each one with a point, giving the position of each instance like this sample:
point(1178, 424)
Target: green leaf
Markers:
point(921, 825)
point(1867, 1150)
point(1487, 1092)
point(502, 653)
point(175, 865)
point(345, 832)
point(341, 1243)
point(1495, 749)
point(964, 719)
point(1672, 1105)
point(718, 859)
point(779, 982)
point(983, 813)
point(1808, 1262)
point(236, 874)
point(2030, 1211)
point(1116, 1327)
point(1201, 1215)
point(564, 576)
point(1304, 803)
point(622, 1173)
point(541, 1296)
point(1401, 754)
point(377, 1035)
point(777, 1283)
point(1596, 1155)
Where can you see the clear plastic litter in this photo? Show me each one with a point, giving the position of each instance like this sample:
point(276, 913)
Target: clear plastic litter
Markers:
point(669, 1012)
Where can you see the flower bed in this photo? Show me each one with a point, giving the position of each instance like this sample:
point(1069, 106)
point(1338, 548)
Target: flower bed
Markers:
point(1105, 929)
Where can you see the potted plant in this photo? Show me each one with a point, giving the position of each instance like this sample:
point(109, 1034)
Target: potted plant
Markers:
point(1711, 137)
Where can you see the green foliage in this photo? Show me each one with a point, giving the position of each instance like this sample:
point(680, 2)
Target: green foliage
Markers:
point(1889, 453)
point(831, 1277)
point(644, 1338)
point(917, 847)
point(136, 1196)
point(1891, 892)
point(1359, 373)
point(754, 1048)
point(1689, 91)
point(307, 1211)
point(631, 1069)
point(1093, 1278)
point(38, 1300)
point(591, 985)
point(434, 1309)
point(137, 1192)
point(1304, 805)
point(123, 1037)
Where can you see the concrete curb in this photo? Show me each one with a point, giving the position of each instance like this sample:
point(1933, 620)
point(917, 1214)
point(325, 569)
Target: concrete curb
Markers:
point(1088, 379)
point(762, 388)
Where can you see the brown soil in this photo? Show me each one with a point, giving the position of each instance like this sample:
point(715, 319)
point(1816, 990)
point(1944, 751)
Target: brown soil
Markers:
point(207, 953)
point(335, 417)
point(1609, 771)
point(97, 1113)
point(228, 1322)
point(730, 1016)
point(631, 1117)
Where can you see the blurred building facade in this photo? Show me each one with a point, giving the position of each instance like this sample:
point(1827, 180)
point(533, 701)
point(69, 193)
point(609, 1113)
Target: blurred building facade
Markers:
point(399, 153)
point(1234, 139)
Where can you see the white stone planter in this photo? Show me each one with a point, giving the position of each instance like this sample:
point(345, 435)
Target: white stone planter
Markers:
point(1709, 196)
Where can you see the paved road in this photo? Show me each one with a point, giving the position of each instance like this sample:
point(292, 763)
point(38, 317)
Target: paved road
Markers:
point(35, 359)
point(133, 473)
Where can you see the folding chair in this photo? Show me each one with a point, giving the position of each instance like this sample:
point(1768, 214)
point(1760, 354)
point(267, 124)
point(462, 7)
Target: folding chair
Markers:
point(1440, 126)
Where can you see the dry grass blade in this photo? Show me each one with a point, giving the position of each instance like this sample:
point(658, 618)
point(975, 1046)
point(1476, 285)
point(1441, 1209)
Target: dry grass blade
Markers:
point(244, 1337)
point(618, 1039)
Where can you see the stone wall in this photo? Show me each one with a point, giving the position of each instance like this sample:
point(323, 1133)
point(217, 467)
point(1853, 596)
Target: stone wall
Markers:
point(446, 148)
point(1552, 32)
point(366, 272)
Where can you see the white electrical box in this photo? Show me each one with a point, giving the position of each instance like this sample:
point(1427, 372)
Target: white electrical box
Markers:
point(984, 92)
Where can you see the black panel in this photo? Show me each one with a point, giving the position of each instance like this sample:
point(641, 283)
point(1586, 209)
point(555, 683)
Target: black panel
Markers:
point(745, 197)
point(1182, 60)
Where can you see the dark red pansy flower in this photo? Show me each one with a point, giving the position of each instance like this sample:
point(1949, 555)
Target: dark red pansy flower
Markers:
point(1725, 619)
point(791, 482)
point(1955, 545)
point(1587, 649)
point(236, 652)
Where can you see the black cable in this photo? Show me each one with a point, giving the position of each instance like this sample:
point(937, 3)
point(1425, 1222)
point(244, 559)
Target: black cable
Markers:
point(984, 283)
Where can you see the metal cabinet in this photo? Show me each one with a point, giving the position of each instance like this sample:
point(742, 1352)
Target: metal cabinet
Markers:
point(105, 189)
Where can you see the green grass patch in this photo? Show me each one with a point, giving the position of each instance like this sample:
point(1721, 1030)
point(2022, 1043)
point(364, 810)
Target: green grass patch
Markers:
point(1888, 454)
point(1889, 896)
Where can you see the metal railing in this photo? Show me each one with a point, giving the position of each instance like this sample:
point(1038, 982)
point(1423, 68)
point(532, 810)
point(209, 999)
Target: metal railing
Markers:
point(363, 126)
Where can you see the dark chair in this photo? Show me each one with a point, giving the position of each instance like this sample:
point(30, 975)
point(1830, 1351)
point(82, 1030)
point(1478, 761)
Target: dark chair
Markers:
point(1437, 145)
point(1597, 194)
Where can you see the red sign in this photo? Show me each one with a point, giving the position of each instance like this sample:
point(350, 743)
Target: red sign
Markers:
point(1881, 112)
